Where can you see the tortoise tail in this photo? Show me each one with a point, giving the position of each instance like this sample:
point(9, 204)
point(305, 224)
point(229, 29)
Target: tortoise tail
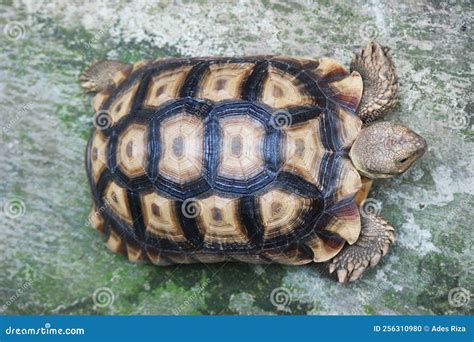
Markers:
point(98, 76)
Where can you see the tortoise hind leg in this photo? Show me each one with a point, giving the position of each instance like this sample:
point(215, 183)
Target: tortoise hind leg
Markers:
point(99, 75)
point(376, 236)
point(380, 82)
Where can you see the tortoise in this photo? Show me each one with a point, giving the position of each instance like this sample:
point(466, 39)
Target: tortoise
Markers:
point(259, 159)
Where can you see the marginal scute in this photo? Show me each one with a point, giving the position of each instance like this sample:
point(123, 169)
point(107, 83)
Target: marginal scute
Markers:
point(341, 87)
point(98, 154)
point(123, 103)
point(290, 256)
point(329, 69)
point(121, 75)
point(218, 221)
point(188, 164)
point(224, 81)
point(100, 98)
point(115, 198)
point(249, 159)
point(282, 212)
point(140, 65)
point(160, 218)
point(283, 90)
point(349, 181)
point(134, 254)
point(345, 221)
point(180, 258)
point(348, 90)
point(251, 259)
point(349, 127)
point(132, 150)
point(210, 257)
point(303, 150)
point(96, 220)
point(157, 258)
point(166, 86)
point(115, 243)
point(363, 192)
point(323, 251)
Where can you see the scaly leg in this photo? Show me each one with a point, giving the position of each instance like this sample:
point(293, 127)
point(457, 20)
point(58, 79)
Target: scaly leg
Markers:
point(380, 82)
point(375, 238)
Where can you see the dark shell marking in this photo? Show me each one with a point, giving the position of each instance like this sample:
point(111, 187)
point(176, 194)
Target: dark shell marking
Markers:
point(195, 168)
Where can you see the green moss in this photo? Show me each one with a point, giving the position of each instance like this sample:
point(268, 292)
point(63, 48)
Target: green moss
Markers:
point(368, 309)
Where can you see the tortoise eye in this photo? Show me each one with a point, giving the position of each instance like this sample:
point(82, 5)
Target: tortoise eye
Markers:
point(401, 161)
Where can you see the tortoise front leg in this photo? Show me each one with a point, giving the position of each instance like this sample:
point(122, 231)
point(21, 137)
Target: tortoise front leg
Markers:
point(380, 82)
point(376, 236)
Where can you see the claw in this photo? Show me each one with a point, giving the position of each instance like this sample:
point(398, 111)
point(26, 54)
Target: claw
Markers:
point(375, 260)
point(357, 273)
point(342, 275)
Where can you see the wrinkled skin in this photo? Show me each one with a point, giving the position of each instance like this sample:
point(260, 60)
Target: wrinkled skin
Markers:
point(386, 149)
point(381, 150)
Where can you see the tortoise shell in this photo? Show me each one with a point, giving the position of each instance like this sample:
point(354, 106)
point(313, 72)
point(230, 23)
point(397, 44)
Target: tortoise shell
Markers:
point(238, 159)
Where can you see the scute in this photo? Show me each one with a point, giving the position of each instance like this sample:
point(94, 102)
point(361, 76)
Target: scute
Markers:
point(223, 81)
point(159, 215)
point(282, 212)
point(204, 131)
point(304, 150)
point(282, 90)
point(219, 223)
point(181, 148)
point(242, 145)
point(132, 150)
point(165, 86)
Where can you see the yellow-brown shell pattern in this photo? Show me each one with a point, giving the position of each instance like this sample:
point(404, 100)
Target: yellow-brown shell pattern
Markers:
point(226, 159)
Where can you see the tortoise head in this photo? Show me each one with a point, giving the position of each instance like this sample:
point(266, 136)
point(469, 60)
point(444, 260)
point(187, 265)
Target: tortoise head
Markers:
point(385, 149)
